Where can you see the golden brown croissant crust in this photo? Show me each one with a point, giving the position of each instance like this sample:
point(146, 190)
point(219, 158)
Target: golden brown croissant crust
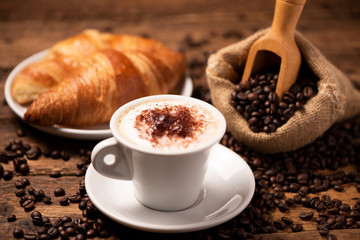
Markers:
point(106, 79)
point(65, 56)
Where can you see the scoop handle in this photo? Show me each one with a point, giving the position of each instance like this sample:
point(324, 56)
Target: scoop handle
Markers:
point(286, 17)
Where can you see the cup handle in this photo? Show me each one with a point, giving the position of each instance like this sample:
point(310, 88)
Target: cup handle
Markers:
point(113, 160)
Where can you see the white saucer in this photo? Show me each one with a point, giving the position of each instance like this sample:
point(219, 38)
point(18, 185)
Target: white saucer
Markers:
point(97, 132)
point(228, 188)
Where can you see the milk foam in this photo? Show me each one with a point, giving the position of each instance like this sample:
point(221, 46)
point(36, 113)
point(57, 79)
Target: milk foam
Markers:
point(138, 135)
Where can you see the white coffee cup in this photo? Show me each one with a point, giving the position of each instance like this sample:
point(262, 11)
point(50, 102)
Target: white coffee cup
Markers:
point(165, 179)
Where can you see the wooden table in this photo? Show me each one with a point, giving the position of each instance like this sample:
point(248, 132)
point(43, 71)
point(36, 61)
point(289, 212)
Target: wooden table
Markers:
point(197, 27)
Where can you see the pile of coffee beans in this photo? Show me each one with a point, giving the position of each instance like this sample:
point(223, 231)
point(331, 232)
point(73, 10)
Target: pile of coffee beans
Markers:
point(258, 103)
point(299, 172)
point(90, 225)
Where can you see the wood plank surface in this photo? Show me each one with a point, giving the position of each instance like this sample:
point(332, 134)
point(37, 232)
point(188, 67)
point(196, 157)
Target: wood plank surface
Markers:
point(29, 26)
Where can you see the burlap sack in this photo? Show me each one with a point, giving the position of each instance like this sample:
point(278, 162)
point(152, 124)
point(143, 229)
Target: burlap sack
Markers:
point(336, 100)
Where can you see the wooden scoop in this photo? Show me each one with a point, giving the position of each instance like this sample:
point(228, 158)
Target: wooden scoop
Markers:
point(278, 47)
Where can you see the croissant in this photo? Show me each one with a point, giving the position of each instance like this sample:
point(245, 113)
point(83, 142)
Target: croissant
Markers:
point(65, 56)
point(103, 82)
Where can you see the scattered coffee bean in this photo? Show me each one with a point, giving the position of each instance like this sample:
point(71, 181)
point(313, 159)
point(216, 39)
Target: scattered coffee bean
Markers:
point(11, 218)
point(7, 175)
point(25, 181)
point(33, 153)
point(339, 188)
point(20, 192)
point(44, 236)
point(65, 155)
point(280, 224)
point(55, 154)
point(64, 201)
point(306, 215)
point(324, 231)
point(59, 192)
point(20, 133)
point(18, 233)
point(297, 227)
point(53, 232)
point(24, 169)
point(75, 198)
point(55, 174)
point(30, 236)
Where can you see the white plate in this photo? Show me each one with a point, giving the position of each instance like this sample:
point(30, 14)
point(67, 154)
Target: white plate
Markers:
point(97, 132)
point(228, 188)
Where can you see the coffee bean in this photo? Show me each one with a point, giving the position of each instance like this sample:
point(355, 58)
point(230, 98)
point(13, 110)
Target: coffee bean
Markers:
point(287, 221)
point(345, 207)
point(20, 133)
point(44, 236)
point(279, 224)
point(64, 201)
point(11, 218)
point(80, 236)
point(46, 200)
point(25, 181)
point(65, 155)
point(28, 205)
point(338, 188)
point(24, 169)
point(7, 175)
point(75, 198)
point(297, 227)
point(55, 154)
point(82, 205)
point(18, 233)
point(36, 214)
point(55, 174)
point(20, 192)
point(324, 232)
point(33, 153)
point(30, 236)
point(53, 232)
point(308, 92)
point(306, 215)
point(59, 192)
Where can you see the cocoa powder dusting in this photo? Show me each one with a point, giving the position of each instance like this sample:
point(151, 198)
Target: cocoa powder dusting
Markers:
point(172, 121)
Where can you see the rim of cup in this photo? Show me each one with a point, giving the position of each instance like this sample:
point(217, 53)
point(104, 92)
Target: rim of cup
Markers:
point(114, 120)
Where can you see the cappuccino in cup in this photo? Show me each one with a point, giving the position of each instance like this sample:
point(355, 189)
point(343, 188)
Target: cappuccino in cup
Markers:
point(161, 143)
point(168, 125)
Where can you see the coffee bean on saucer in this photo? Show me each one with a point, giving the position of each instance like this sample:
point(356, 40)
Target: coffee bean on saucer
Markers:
point(59, 192)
